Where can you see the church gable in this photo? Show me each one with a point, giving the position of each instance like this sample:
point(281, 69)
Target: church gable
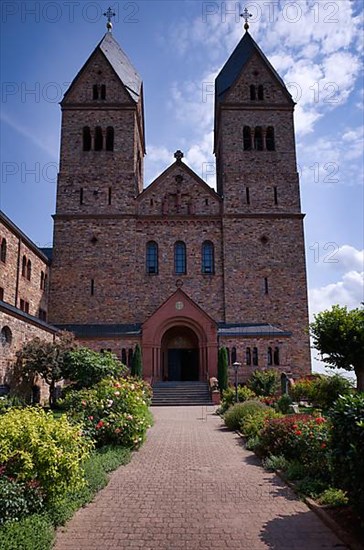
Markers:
point(97, 83)
point(248, 76)
point(258, 85)
point(178, 191)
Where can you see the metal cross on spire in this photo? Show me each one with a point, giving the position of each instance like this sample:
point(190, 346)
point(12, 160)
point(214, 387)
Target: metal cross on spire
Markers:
point(246, 16)
point(109, 14)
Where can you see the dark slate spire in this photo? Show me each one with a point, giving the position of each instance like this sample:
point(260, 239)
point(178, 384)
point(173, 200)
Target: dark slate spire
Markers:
point(121, 65)
point(236, 63)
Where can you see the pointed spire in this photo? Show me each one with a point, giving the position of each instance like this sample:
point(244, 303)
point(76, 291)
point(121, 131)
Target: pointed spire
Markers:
point(109, 14)
point(246, 15)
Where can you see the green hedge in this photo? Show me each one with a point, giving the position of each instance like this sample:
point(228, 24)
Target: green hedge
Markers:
point(347, 444)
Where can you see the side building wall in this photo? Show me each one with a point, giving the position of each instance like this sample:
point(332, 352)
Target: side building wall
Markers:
point(17, 328)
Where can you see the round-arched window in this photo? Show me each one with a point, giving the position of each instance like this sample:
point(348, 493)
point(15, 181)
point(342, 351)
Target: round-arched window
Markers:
point(6, 336)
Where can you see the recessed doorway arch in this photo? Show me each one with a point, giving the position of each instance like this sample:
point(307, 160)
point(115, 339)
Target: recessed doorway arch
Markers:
point(180, 354)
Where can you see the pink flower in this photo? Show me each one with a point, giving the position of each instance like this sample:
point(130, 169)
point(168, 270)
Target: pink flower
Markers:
point(83, 403)
point(90, 417)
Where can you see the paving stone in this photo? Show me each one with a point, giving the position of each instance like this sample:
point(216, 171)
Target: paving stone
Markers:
point(193, 486)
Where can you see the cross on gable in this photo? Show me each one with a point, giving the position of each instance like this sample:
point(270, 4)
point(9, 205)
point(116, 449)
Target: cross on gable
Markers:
point(246, 15)
point(109, 14)
point(178, 156)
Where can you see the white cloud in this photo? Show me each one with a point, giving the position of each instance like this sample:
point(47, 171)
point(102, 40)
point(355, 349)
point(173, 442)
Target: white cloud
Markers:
point(346, 292)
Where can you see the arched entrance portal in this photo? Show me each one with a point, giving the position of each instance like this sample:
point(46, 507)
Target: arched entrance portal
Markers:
point(180, 354)
point(179, 342)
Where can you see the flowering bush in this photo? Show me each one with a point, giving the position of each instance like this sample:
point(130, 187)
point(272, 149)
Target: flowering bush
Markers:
point(322, 391)
point(36, 446)
point(300, 436)
point(252, 424)
point(114, 411)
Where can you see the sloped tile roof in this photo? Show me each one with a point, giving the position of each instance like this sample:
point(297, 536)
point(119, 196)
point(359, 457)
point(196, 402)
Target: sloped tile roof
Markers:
point(121, 65)
point(235, 64)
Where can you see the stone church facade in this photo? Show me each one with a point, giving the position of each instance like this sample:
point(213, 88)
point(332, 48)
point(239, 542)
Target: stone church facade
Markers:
point(177, 267)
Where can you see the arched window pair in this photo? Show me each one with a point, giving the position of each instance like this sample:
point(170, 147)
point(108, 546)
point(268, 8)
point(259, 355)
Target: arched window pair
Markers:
point(252, 357)
point(3, 250)
point(256, 92)
point(26, 268)
point(127, 357)
point(98, 139)
point(257, 140)
point(273, 356)
point(99, 92)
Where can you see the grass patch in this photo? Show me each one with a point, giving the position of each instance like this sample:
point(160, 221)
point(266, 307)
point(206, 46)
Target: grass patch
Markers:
point(36, 532)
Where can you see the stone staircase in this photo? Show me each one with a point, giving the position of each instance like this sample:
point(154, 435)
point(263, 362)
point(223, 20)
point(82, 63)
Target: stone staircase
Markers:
point(172, 394)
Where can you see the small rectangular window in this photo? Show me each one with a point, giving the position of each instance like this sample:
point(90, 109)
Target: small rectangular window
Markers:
point(81, 195)
point(1, 293)
point(275, 195)
point(92, 287)
point(110, 195)
point(266, 285)
point(247, 190)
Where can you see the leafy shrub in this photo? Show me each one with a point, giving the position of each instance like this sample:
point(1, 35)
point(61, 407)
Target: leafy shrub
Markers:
point(320, 390)
point(36, 446)
point(295, 470)
point(31, 533)
point(253, 443)
point(299, 436)
point(302, 389)
point(114, 411)
point(327, 389)
point(311, 487)
point(273, 463)
point(228, 397)
point(283, 404)
point(347, 443)
point(87, 367)
point(234, 416)
point(252, 424)
point(19, 499)
point(264, 382)
point(333, 497)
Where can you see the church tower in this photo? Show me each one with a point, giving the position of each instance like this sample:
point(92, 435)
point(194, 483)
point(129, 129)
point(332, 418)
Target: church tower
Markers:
point(101, 174)
point(264, 255)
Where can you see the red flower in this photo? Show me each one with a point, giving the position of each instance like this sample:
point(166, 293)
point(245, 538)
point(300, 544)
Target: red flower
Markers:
point(298, 432)
point(99, 425)
point(323, 445)
point(319, 420)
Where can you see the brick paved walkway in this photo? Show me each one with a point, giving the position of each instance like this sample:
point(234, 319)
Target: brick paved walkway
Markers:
point(193, 486)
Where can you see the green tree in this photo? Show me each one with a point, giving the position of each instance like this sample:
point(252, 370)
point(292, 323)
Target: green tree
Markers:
point(87, 367)
point(222, 369)
point(46, 359)
point(136, 363)
point(338, 334)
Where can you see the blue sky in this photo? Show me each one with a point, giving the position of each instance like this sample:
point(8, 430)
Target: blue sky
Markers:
point(178, 47)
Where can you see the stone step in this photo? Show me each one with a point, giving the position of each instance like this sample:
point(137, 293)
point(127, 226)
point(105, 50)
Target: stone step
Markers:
point(181, 394)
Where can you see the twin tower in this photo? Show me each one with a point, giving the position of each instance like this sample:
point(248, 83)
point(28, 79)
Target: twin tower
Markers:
point(177, 267)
